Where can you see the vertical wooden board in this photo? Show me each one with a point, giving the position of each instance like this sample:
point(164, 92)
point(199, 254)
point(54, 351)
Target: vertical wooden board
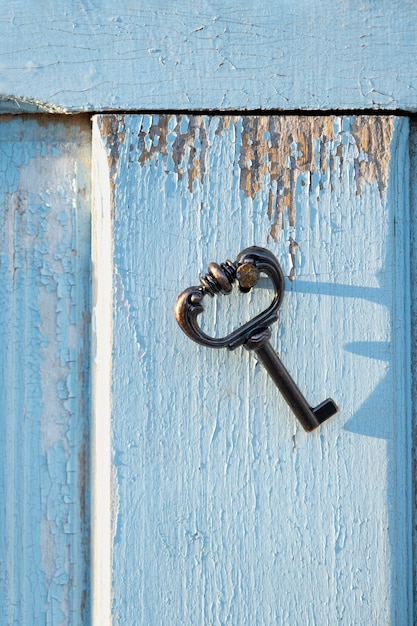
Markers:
point(413, 280)
point(44, 321)
point(224, 510)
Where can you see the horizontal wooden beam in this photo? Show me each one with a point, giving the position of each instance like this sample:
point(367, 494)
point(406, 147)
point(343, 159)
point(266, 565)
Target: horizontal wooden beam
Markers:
point(72, 57)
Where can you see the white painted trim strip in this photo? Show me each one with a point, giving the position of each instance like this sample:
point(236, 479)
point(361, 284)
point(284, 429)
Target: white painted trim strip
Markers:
point(102, 246)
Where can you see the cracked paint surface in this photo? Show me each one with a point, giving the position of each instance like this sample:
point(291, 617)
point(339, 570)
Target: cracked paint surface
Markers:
point(226, 512)
point(103, 57)
point(44, 265)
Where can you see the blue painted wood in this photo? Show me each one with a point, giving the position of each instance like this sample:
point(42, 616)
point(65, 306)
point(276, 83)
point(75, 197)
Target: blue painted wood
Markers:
point(86, 56)
point(413, 334)
point(44, 377)
point(224, 509)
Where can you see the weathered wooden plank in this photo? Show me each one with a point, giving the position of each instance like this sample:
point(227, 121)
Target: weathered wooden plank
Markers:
point(413, 279)
point(324, 55)
point(224, 510)
point(44, 412)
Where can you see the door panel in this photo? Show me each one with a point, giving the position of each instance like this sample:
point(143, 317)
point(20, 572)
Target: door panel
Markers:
point(44, 411)
point(219, 508)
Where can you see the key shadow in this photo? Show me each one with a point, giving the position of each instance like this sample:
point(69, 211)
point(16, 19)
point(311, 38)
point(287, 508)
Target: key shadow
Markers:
point(366, 419)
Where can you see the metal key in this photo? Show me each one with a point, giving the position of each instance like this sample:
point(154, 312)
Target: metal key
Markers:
point(309, 417)
point(255, 334)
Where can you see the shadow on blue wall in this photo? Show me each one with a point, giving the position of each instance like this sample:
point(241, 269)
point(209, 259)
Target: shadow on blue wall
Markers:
point(366, 419)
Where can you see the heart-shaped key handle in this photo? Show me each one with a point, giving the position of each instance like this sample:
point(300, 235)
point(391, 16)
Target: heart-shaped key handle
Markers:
point(219, 279)
point(255, 334)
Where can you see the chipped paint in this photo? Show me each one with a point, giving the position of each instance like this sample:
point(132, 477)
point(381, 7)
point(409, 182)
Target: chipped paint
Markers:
point(292, 249)
point(372, 136)
point(22, 104)
point(273, 152)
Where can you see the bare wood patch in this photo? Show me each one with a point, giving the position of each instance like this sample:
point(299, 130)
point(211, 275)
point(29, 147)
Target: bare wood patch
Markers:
point(273, 151)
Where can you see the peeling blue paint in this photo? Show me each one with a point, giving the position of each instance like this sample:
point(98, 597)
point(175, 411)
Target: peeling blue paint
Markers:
point(44, 434)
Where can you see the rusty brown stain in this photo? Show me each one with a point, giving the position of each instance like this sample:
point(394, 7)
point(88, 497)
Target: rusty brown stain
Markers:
point(373, 137)
point(273, 150)
point(285, 147)
point(113, 130)
point(187, 148)
point(82, 120)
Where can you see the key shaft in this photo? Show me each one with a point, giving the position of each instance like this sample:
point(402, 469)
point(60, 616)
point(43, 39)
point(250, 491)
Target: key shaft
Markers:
point(309, 417)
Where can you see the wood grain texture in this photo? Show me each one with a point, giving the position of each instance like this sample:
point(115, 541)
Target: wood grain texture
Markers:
point(95, 56)
point(224, 510)
point(413, 278)
point(44, 412)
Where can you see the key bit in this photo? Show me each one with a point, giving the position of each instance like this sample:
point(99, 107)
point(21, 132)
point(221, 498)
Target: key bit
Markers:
point(255, 334)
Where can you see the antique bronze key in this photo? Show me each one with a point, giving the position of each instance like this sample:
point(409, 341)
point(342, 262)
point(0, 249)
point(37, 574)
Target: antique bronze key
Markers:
point(255, 334)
